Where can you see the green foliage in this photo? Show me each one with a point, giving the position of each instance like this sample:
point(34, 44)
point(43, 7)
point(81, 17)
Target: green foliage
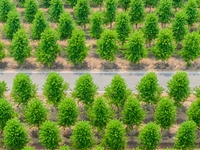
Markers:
point(6, 112)
point(2, 51)
point(72, 3)
point(39, 25)
point(30, 10)
point(3, 88)
point(178, 26)
point(197, 91)
point(137, 12)
point(178, 87)
point(191, 12)
point(96, 25)
point(165, 113)
point(100, 113)
point(110, 11)
point(82, 136)
point(55, 88)
point(151, 28)
point(98, 148)
point(194, 112)
point(191, 48)
point(21, 3)
point(85, 89)
point(65, 25)
point(56, 8)
point(123, 26)
point(23, 90)
point(178, 3)
point(165, 11)
point(65, 147)
point(150, 137)
point(117, 91)
point(185, 136)
point(82, 12)
point(164, 47)
point(19, 47)
point(28, 148)
point(151, 3)
point(133, 113)
point(15, 135)
point(97, 2)
point(48, 48)
point(135, 47)
point(148, 88)
point(107, 45)
point(68, 112)
point(46, 3)
point(125, 4)
point(49, 135)
point(12, 24)
point(5, 7)
point(76, 49)
point(35, 113)
point(114, 136)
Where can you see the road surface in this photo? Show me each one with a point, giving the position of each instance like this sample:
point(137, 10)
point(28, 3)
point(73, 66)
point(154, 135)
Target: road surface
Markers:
point(100, 78)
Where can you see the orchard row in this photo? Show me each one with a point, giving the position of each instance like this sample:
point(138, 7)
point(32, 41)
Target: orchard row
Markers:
point(131, 43)
point(113, 115)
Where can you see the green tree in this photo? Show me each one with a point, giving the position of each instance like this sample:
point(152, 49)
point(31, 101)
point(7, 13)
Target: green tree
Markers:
point(64, 147)
point(6, 112)
point(147, 141)
point(35, 113)
point(96, 25)
point(12, 24)
point(72, 3)
point(178, 87)
point(186, 135)
point(85, 89)
point(48, 48)
point(148, 88)
point(164, 47)
point(178, 3)
point(125, 4)
point(65, 25)
point(28, 148)
point(30, 10)
point(23, 90)
point(56, 8)
point(165, 11)
point(123, 26)
point(98, 3)
point(2, 51)
point(110, 11)
point(82, 12)
point(100, 113)
point(49, 135)
point(194, 112)
point(117, 91)
point(165, 113)
point(5, 7)
point(46, 3)
point(15, 135)
point(133, 113)
point(68, 112)
point(54, 88)
point(191, 47)
point(77, 50)
point(151, 3)
point(135, 47)
point(21, 3)
point(98, 148)
point(107, 45)
point(114, 136)
point(151, 28)
point(3, 89)
point(137, 12)
point(191, 12)
point(20, 48)
point(39, 25)
point(178, 26)
point(82, 136)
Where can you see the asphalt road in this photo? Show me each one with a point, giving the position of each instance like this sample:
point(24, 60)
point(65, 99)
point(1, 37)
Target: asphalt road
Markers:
point(100, 78)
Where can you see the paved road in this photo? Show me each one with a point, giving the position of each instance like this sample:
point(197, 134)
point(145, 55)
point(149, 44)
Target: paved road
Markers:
point(100, 78)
